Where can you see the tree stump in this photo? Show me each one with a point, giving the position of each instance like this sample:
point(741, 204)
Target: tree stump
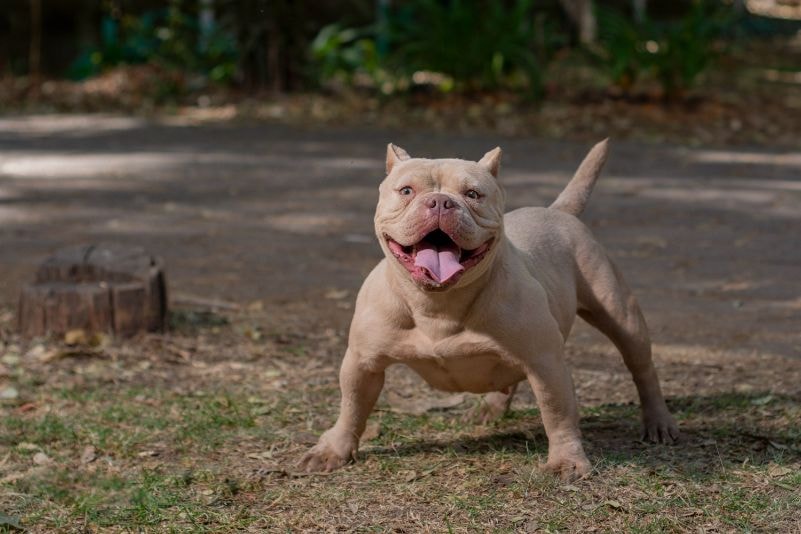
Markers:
point(106, 288)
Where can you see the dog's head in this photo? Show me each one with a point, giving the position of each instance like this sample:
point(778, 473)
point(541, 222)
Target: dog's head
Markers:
point(440, 221)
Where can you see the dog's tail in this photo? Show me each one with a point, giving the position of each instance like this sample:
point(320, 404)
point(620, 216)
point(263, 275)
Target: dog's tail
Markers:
point(574, 197)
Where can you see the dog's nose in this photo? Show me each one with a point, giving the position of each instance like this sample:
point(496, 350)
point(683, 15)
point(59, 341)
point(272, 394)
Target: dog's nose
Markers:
point(438, 200)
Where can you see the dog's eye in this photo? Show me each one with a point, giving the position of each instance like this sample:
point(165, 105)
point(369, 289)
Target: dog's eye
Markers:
point(405, 191)
point(472, 194)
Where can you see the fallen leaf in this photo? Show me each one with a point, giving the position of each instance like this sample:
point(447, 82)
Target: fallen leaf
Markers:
point(76, 337)
point(613, 504)
point(10, 358)
point(262, 409)
point(253, 333)
point(305, 438)
point(256, 306)
point(36, 352)
point(98, 339)
point(358, 238)
point(41, 458)
point(761, 401)
point(531, 526)
point(9, 393)
point(12, 477)
point(336, 294)
point(778, 471)
point(88, 455)
point(265, 455)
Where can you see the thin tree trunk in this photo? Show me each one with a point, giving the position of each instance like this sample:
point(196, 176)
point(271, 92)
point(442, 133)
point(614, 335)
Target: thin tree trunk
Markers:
point(582, 14)
point(35, 50)
point(640, 7)
point(382, 39)
point(206, 20)
point(274, 72)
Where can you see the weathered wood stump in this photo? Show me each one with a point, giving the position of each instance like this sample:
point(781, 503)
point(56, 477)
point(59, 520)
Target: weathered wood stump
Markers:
point(107, 288)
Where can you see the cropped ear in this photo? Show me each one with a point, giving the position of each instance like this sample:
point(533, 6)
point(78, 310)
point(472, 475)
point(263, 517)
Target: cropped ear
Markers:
point(395, 154)
point(492, 161)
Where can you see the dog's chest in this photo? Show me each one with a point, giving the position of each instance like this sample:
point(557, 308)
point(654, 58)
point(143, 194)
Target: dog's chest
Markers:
point(459, 361)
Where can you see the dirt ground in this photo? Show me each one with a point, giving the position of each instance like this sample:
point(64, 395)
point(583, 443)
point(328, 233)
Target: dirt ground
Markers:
point(709, 239)
point(266, 231)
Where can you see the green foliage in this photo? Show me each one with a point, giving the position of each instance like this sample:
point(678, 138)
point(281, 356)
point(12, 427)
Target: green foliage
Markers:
point(342, 53)
point(471, 45)
point(674, 52)
point(620, 53)
point(685, 48)
point(170, 37)
point(480, 45)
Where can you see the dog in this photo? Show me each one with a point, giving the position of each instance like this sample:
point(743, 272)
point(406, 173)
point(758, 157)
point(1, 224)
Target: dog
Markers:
point(476, 300)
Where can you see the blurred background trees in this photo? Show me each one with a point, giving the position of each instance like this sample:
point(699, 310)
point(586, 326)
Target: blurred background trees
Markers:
point(385, 47)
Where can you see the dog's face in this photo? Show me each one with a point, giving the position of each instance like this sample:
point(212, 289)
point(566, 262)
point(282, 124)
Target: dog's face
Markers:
point(440, 220)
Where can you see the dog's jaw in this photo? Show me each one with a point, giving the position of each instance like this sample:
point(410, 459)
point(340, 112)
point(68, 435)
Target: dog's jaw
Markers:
point(436, 262)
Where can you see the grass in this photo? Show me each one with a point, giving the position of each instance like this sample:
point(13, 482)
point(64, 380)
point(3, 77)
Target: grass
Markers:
point(209, 445)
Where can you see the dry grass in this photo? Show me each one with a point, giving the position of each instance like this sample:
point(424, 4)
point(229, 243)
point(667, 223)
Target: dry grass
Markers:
point(199, 430)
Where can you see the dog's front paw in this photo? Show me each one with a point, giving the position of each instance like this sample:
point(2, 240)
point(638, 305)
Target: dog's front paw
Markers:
point(659, 427)
point(568, 462)
point(325, 457)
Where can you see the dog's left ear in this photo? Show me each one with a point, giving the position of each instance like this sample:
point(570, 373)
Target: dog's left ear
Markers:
point(492, 161)
point(395, 154)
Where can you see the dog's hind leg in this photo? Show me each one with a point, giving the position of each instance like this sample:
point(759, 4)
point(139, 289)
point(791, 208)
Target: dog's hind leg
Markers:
point(492, 406)
point(606, 303)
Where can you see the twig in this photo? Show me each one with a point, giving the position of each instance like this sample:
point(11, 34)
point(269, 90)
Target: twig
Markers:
point(202, 302)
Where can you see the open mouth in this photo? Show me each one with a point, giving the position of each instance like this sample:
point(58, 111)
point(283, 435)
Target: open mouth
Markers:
point(437, 258)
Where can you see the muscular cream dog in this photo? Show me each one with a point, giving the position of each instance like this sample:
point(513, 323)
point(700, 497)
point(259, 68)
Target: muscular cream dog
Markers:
point(475, 300)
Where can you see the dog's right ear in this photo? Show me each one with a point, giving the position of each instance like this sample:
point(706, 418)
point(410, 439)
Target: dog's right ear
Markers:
point(394, 155)
point(492, 161)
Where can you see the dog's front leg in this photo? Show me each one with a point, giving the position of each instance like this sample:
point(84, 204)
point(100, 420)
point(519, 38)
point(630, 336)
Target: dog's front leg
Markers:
point(360, 387)
point(550, 379)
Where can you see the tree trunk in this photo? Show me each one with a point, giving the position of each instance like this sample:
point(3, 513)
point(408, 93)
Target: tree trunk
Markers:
point(35, 50)
point(97, 288)
point(640, 10)
point(582, 15)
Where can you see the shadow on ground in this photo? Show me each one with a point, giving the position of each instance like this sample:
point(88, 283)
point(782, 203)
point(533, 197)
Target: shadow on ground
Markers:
point(718, 431)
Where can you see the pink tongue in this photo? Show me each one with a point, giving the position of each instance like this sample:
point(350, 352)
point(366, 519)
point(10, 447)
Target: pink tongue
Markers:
point(441, 262)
